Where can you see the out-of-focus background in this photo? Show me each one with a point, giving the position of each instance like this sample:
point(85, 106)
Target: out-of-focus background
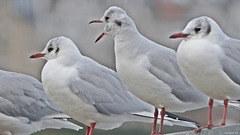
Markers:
point(26, 26)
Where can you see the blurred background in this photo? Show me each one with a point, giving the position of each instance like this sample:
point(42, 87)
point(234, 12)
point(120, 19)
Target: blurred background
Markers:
point(26, 26)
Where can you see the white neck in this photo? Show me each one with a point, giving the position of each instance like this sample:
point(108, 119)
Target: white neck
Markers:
point(68, 58)
point(127, 41)
point(218, 35)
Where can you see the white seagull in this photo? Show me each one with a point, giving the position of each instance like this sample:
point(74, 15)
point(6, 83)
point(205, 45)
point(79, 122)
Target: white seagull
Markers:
point(149, 70)
point(86, 90)
point(25, 108)
point(210, 60)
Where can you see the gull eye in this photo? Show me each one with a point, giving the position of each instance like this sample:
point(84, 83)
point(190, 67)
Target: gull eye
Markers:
point(50, 49)
point(106, 18)
point(197, 29)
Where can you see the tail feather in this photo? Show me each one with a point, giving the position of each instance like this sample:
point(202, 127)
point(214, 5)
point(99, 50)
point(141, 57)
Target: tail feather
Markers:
point(57, 121)
point(231, 104)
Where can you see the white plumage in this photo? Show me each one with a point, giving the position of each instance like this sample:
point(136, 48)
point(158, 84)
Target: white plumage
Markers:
point(86, 90)
point(25, 108)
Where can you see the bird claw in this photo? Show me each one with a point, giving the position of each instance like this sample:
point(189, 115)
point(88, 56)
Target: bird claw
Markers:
point(208, 126)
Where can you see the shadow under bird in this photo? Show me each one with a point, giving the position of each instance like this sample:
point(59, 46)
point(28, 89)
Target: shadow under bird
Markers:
point(89, 92)
point(210, 60)
point(149, 70)
point(25, 108)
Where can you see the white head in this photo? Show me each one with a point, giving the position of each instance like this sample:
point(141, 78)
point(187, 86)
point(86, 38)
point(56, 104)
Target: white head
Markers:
point(115, 20)
point(198, 28)
point(57, 47)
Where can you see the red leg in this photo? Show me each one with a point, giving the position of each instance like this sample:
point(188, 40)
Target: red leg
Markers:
point(225, 111)
point(161, 123)
point(209, 125)
point(92, 128)
point(87, 130)
point(155, 121)
point(210, 113)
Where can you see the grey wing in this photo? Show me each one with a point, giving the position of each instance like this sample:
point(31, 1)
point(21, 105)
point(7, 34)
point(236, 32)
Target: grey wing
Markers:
point(102, 88)
point(164, 66)
point(231, 62)
point(23, 96)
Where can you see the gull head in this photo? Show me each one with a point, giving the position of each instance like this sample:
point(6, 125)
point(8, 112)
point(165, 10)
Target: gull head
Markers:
point(56, 47)
point(199, 28)
point(115, 20)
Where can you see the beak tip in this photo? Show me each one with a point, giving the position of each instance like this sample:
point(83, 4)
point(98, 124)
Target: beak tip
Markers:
point(99, 37)
point(179, 35)
point(97, 40)
point(95, 21)
point(37, 55)
point(172, 36)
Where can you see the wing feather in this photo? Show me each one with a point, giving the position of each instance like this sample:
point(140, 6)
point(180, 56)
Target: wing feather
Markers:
point(23, 96)
point(101, 87)
point(164, 66)
point(231, 62)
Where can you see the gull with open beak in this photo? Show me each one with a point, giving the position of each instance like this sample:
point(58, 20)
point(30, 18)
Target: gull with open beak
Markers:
point(149, 70)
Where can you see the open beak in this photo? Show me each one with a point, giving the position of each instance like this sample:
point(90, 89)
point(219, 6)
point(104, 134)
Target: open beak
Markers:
point(99, 37)
point(179, 35)
point(37, 55)
point(95, 21)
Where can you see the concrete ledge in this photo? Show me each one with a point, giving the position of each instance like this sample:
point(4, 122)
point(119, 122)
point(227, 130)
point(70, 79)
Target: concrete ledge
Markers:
point(233, 129)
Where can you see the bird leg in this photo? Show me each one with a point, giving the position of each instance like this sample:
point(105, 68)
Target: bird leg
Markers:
point(87, 130)
point(225, 112)
point(209, 125)
point(210, 114)
point(92, 128)
point(161, 123)
point(155, 121)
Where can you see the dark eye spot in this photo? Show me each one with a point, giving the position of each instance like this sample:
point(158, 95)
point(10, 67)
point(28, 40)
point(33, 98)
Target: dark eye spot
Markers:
point(106, 18)
point(197, 29)
point(119, 23)
point(50, 49)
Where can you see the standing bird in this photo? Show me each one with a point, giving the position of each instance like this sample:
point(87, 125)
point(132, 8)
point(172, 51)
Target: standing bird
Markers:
point(210, 60)
point(25, 108)
point(149, 70)
point(86, 90)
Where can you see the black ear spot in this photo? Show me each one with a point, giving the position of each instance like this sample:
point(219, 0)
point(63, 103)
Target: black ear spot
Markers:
point(57, 50)
point(208, 29)
point(119, 23)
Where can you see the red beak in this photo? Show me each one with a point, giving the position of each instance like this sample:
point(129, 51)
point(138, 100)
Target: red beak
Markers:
point(95, 21)
point(179, 35)
point(37, 55)
point(99, 37)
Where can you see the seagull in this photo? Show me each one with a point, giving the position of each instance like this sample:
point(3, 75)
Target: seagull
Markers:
point(25, 108)
point(87, 91)
point(149, 70)
point(210, 60)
